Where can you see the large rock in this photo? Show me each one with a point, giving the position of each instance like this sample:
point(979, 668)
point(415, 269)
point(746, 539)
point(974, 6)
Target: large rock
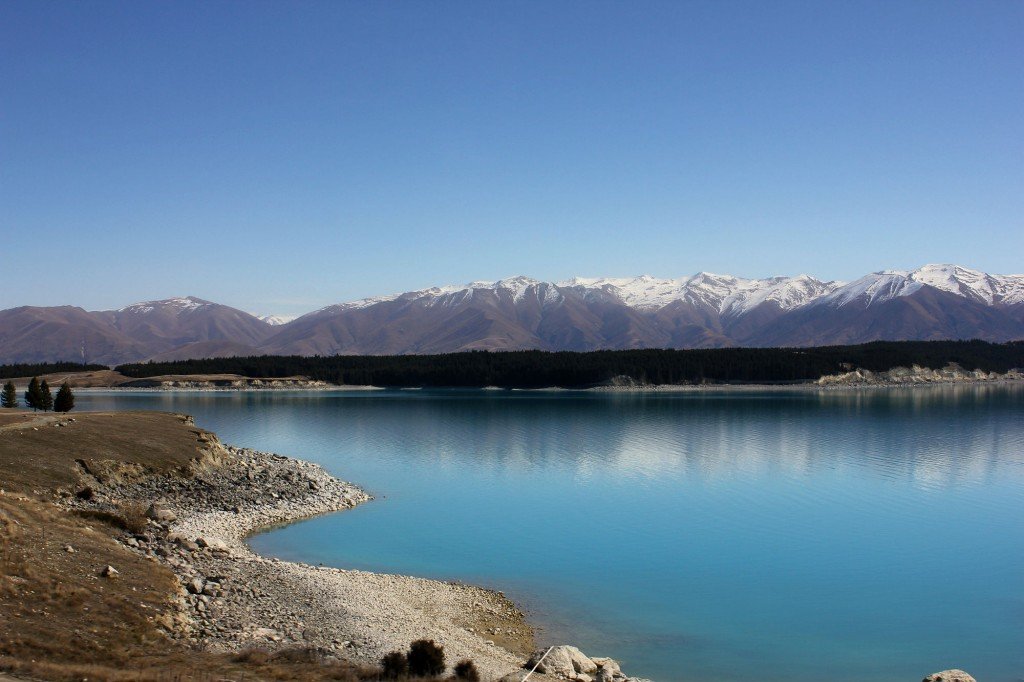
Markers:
point(949, 676)
point(609, 664)
point(563, 661)
point(556, 662)
point(215, 544)
point(581, 662)
point(161, 514)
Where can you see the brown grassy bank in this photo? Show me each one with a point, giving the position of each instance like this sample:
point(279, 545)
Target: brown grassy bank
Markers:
point(60, 617)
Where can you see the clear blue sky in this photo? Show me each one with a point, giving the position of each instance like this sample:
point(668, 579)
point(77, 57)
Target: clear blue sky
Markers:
point(282, 156)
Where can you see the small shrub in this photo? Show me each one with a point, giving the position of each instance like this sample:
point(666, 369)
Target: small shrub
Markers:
point(426, 659)
point(394, 665)
point(252, 656)
point(466, 670)
point(342, 673)
point(298, 655)
point(135, 520)
point(131, 517)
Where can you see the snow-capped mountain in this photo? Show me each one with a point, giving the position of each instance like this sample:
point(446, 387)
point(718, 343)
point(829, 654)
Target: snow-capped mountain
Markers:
point(185, 326)
point(582, 313)
point(726, 294)
point(973, 285)
point(173, 306)
point(698, 311)
point(277, 320)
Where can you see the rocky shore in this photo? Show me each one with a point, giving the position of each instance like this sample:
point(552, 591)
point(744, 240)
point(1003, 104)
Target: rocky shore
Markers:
point(898, 377)
point(224, 383)
point(232, 599)
point(917, 375)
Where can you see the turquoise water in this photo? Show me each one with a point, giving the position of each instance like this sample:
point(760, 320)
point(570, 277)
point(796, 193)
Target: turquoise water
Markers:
point(799, 536)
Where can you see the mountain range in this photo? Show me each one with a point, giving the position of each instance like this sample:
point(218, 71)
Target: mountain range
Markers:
point(705, 310)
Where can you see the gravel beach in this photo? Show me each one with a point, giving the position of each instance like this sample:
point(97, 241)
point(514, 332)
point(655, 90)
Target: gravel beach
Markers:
point(233, 599)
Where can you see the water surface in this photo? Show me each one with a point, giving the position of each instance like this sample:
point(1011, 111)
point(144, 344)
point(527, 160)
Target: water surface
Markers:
point(800, 536)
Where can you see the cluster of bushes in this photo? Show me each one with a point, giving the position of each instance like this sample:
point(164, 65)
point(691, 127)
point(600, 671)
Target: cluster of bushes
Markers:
point(39, 397)
point(425, 658)
point(539, 369)
point(423, 662)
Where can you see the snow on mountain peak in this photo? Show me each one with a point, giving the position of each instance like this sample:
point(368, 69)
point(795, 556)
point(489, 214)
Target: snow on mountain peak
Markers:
point(886, 285)
point(730, 295)
point(176, 305)
point(726, 294)
point(786, 292)
point(518, 286)
point(989, 289)
point(277, 320)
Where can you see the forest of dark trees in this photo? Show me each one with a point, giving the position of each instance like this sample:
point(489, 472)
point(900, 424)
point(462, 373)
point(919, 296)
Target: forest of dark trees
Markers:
point(41, 368)
point(538, 369)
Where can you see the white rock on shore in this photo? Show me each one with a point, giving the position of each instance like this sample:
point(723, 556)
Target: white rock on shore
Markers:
point(569, 663)
point(900, 376)
point(953, 675)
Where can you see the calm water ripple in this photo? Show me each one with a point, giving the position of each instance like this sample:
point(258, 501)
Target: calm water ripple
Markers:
point(868, 535)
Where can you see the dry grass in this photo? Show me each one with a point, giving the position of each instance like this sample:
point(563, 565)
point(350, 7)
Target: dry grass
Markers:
point(114, 446)
point(194, 667)
point(60, 620)
point(55, 606)
point(101, 378)
point(130, 516)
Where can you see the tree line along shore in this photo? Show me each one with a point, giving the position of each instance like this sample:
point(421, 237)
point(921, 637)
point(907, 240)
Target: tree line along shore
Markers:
point(540, 369)
point(38, 396)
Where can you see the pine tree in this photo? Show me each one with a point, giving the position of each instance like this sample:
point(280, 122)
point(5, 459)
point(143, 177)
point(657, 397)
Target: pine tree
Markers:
point(65, 400)
point(34, 396)
point(46, 398)
point(9, 398)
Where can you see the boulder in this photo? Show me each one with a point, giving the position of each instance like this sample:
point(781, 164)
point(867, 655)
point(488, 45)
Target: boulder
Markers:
point(563, 661)
point(609, 664)
point(214, 544)
point(160, 514)
point(949, 676)
point(267, 633)
point(556, 662)
point(109, 572)
point(583, 664)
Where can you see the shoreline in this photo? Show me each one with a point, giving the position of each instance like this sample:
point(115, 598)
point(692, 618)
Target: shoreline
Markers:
point(811, 386)
point(231, 598)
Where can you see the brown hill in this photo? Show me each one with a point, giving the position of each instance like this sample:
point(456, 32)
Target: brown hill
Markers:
point(33, 334)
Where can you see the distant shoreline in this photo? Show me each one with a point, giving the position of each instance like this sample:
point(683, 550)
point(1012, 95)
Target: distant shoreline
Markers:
point(653, 388)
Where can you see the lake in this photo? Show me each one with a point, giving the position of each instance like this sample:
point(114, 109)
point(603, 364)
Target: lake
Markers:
point(859, 535)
